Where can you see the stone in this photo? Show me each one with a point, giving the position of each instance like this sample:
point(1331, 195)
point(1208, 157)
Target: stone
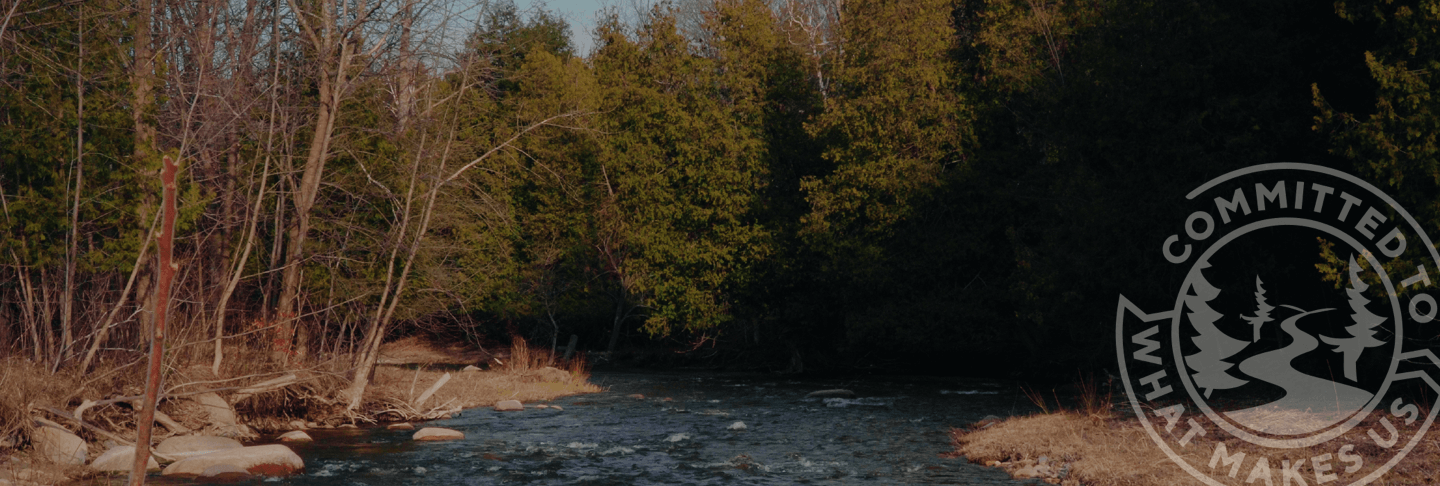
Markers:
point(185, 446)
point(836, 393)
point(471, 368)
point(737, 426)
point(346, 426)
point(219, 410)
point(121, 459)
point(437, 433)
point(988, 421)
point(400, 426)
point(312, 425)
point(58, 446)
point(295, 436)
point(297, 424)
point(542, 406)
point(557, 407)
point(636, 396)
point(223, 473)
point(508, 406)
point(267, 460)
point(677, 437)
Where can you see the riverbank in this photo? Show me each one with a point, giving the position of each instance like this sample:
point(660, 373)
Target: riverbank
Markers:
point(1077, 448)
point(253, 394)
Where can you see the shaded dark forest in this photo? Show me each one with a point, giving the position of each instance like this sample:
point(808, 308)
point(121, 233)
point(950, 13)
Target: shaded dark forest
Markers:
point(956, 186)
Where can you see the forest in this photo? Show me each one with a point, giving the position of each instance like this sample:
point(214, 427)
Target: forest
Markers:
point(962, 186)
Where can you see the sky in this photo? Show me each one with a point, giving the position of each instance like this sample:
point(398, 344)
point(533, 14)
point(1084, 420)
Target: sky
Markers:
point(580, 13)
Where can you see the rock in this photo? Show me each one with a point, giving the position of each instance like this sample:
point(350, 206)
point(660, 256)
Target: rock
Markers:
point(542, 406)
point(58, 446)
point(346, 426)
point(400, 426)
point(557, 407)
point(222, 416)
point(312, 425)
point(471, 368)
point(297, 424)
point(737, 426)
point(180, 447)
point(437, 433)
point(223, 473)
point(121, 459)
point(636, 396)
point(836, 393)
point(508, 406)
point(268, 460)
point(295, 436)
point(677, 437)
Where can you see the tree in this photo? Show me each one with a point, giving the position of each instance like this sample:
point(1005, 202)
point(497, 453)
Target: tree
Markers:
point(1362, 333)
point(1215, 345)
point(1262, 310)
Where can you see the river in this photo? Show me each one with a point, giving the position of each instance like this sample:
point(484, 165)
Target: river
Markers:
point(684, 432)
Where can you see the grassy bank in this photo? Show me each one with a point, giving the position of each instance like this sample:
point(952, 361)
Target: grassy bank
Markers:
point(1096, 443)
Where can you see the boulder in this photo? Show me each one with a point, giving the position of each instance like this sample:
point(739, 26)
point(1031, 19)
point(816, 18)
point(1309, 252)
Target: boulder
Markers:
point(219, 410)
point(267, 460)
point(121, 459)
point(508, 406)
point(346, 426)
point(295, 436)
point(437, 433)
point(400, 426)
point(836, 393)
point(184, 446)
point(542, 406)
point(58, 446)
point(737, 426)
point(223, 473)
point(297, 424)
point(471, 368)
point(557, 407)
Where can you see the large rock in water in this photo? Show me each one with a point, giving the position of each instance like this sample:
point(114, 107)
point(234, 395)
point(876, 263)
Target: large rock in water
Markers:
point(223, 473)
point(509, 406)
point(181, 447)
point(121, 459)
point(295, 436)
point(267, 460)
point(836, 393)
point(437, 433)
point(58, 446)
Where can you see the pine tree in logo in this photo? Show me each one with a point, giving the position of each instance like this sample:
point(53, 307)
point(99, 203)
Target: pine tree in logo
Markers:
point(1208, 364)
point(1262, 310)
point(1362, 333)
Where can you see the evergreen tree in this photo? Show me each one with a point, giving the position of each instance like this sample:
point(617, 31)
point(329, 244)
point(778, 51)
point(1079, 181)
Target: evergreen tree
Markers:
point(1362, 333)
point(1208, 364)
point(1262, 310)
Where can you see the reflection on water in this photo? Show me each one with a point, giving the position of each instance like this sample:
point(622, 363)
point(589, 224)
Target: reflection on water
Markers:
point(684, 432)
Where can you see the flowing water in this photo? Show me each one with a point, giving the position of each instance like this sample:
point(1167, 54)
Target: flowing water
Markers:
point(684, 431)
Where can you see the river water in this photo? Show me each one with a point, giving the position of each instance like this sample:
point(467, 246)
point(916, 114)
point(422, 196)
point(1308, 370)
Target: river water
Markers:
point(684, 432)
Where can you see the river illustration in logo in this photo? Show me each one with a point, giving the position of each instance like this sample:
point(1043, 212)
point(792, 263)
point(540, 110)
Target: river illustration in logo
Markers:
point(1300, 326)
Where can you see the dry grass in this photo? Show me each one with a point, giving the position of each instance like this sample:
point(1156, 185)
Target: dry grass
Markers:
point(1121, 452)
point(521, 378)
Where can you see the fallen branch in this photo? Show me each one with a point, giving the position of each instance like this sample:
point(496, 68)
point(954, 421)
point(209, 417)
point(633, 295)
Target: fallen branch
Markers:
point(264, 386)
point(433, 388)
point(93, 429)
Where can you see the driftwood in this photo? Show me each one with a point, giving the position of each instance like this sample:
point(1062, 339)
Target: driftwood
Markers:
point(264, 386)
point(433, 388)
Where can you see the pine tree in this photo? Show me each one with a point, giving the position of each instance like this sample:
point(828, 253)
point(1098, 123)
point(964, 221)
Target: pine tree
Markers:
point(1363, 331)
point(1262, 310)
point(1215, 345)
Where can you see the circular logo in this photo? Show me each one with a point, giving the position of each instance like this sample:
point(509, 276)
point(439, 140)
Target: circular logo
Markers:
point(1293, 348)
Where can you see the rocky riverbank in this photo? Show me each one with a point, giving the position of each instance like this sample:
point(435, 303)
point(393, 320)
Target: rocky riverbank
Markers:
point(68, 434)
